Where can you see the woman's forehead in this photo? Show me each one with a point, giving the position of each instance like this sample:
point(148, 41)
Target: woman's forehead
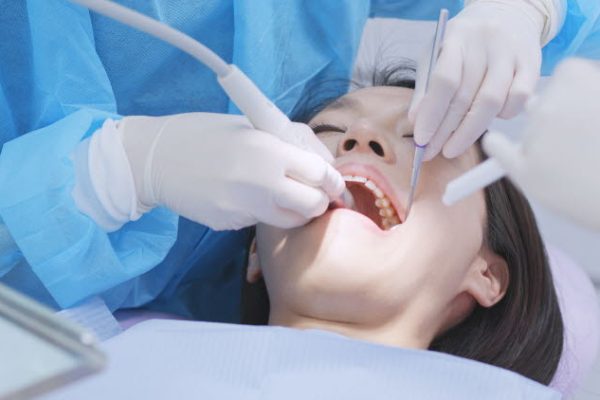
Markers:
point(371, 99)
point(399, 93)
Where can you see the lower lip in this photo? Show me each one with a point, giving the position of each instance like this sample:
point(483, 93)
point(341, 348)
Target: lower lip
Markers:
point(357, 219)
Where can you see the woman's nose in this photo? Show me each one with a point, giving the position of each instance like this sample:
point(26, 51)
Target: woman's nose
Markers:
point(366, 140)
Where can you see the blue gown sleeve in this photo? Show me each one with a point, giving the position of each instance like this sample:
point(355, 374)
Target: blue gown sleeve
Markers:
point(9, 251)
point(579, 35)
point(67, 251)
point(55, 97)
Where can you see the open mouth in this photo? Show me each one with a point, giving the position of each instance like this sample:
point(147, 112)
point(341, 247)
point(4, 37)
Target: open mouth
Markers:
point(372, 200)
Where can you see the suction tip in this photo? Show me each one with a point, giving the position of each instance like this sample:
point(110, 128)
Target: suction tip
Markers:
point(450, 197)
point(348, 199)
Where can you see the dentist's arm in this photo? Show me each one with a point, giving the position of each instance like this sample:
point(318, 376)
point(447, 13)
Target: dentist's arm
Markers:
point(488, 67)
point(558, 161)
point(215, 169)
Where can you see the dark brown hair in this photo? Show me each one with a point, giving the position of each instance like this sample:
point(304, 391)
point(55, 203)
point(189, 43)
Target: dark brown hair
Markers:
point(524, 331)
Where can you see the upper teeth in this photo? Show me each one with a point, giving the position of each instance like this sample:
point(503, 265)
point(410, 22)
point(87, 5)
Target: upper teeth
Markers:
point(352, 178)
point(389, 218)
point(369, 184)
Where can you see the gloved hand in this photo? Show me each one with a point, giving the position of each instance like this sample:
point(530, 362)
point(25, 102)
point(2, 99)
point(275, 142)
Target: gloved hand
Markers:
point(488, 66)
point(557, 162)
point(216, 169)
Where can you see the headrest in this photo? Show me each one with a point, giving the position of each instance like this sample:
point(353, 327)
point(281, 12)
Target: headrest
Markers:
point(581, 316)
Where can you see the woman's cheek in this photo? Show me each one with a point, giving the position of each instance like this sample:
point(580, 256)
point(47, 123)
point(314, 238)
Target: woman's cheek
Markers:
point(330, 141)
point(449, 232)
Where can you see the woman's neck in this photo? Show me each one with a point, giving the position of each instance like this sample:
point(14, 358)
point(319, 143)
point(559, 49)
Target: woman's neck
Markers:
point(404, 331)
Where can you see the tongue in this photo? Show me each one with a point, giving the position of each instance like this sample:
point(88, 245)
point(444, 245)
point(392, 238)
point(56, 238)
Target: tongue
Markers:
point(364, 202)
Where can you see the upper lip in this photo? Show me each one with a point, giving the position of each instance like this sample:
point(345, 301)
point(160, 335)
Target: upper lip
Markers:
point(373, 174)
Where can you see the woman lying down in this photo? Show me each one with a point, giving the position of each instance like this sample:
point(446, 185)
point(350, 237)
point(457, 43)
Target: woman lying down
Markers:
point(470, 280)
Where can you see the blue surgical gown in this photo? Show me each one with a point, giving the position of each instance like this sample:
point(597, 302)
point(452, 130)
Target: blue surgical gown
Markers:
point(63, 71)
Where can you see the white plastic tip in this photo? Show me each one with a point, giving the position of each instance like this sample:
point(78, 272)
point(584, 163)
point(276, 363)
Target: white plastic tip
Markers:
point(471, 181)
point(450, 197)
point(348, 199)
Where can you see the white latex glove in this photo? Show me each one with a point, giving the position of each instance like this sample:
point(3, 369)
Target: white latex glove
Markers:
point(558, 162)
point(216, 169)
point(488, 66)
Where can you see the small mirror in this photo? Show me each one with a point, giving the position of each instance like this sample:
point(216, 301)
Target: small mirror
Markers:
point(39, 350)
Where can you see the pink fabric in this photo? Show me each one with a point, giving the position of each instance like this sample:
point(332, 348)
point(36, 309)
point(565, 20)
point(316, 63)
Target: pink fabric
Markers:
point(581, 315)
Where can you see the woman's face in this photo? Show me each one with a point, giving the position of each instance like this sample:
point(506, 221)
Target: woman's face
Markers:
point(347, 265)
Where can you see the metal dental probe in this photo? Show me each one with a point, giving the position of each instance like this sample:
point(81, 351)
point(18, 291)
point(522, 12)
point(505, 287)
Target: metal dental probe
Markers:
point(420, 149)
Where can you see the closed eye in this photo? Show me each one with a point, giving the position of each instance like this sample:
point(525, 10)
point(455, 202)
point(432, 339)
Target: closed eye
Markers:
point(320, 128)
point(408, 135)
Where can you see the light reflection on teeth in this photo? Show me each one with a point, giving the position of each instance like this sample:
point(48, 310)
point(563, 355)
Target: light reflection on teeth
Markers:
point(351, 178)
point(373, 187)
point(382, 203)
point(389, 218)
point(386, 212)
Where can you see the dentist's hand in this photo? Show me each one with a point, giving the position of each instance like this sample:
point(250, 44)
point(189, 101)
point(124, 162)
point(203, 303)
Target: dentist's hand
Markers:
point(216, 169)
point(488, 67)
point(557, 162)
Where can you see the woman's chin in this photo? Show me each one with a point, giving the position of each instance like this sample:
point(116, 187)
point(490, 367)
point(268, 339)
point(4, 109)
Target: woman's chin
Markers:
point(340, 240)
point(343, 220)
point(342, 235)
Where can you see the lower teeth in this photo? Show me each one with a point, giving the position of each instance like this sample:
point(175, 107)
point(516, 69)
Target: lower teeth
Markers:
point(389, 218)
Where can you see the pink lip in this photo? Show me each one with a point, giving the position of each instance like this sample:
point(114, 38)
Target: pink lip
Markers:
point(372, 173)
point(365, 221)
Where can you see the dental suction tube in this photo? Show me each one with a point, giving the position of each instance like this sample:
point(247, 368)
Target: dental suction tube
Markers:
point(473, 180)
point(261, 112)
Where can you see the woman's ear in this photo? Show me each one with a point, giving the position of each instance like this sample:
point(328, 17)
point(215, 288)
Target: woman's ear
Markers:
point(488, 279)
point(253, 272)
